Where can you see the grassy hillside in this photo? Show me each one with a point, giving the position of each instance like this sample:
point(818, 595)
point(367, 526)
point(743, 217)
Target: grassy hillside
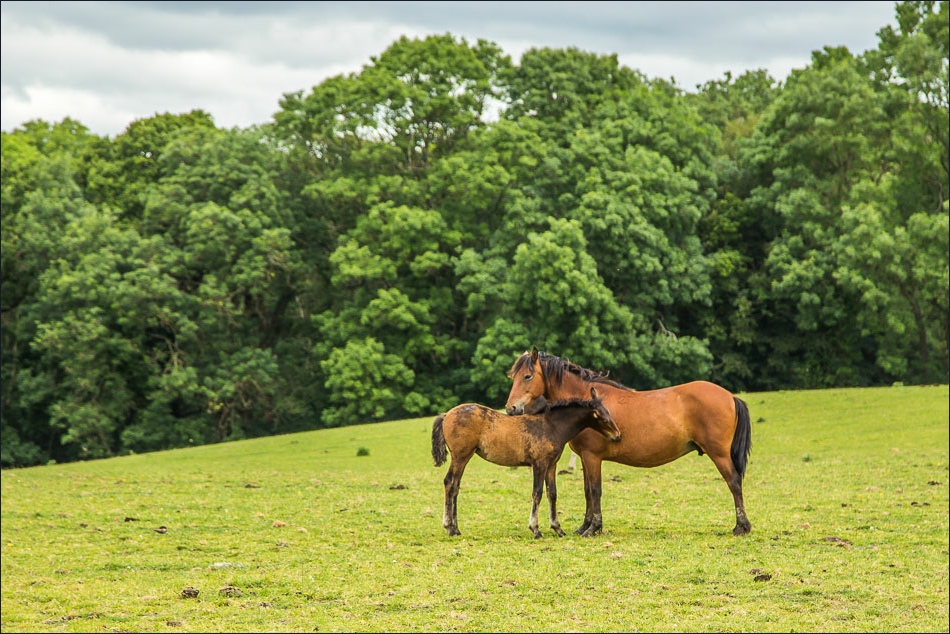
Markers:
point(340, 530)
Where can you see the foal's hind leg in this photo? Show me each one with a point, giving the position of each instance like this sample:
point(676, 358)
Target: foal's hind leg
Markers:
point(452, 481)
point(550, 478)
point(536, 492)
point(734, 480)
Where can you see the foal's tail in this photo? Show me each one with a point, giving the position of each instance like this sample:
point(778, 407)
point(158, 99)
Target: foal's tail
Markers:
point(438, 441)
point(741, 440)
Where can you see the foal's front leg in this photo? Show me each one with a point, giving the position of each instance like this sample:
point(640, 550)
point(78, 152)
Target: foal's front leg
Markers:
point(593, 521)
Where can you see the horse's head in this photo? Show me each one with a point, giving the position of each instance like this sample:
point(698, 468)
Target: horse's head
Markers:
point(603, 421)
point(527, 384)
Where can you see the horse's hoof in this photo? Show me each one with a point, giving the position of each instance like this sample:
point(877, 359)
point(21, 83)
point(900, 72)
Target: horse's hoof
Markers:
point(738, 531)
point(453, 532)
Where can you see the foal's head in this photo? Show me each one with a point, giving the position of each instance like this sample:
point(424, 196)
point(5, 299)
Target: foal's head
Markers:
point(594, 411)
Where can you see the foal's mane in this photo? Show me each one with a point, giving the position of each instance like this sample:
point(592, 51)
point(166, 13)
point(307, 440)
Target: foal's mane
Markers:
point(571, 402)
point(554, 368)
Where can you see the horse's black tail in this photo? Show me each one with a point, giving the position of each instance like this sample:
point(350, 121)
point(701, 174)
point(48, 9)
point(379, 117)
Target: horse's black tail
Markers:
point(742, 439)
point(438, 441)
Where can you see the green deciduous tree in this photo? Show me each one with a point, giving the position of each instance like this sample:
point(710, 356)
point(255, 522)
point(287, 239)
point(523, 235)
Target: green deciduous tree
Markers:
point(393, 275)
point(42, 167)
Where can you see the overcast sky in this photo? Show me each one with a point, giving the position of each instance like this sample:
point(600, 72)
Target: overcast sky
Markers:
point(106, 64)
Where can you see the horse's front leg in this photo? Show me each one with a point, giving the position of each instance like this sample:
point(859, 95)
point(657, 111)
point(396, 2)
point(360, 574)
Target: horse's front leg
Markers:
point(536, 499)
point(551, 483)
point(593, 522)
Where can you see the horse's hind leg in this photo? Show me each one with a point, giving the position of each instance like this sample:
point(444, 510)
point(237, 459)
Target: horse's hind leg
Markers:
point(734, 480)
point(452, 481)
point(551, 484)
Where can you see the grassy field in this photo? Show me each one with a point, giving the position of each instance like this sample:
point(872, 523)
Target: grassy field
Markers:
point(341, 530)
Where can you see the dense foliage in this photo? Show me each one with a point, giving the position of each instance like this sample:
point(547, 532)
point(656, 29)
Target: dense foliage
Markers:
point(390, 242)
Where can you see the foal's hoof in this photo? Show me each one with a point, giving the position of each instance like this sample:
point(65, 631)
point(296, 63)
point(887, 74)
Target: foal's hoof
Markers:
point(558, 530)
point(453, 532)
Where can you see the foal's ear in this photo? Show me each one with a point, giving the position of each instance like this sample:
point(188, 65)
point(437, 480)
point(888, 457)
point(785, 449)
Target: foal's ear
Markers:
point(593, 393)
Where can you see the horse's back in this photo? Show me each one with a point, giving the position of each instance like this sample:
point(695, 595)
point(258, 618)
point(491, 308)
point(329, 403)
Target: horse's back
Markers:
point(707, 394)
point(674, 400)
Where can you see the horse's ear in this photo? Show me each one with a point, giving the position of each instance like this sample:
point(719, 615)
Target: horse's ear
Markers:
point(534, 354)
point(593, 393)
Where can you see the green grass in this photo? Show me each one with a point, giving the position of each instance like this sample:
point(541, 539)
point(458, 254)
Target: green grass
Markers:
point(341, 530)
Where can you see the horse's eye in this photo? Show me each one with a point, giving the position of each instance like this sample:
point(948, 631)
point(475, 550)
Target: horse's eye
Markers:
point(527, 377)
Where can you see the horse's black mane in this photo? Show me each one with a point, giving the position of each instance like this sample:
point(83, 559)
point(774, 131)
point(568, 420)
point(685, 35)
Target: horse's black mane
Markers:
point(554, 368)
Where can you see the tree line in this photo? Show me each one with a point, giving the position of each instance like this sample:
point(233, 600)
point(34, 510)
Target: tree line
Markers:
point(390, 242)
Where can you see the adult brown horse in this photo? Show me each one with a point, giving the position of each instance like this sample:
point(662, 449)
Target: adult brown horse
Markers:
point(657, 426)
point(536, 440)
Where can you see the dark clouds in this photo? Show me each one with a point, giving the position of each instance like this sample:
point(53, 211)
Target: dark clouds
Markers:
point(108, 63)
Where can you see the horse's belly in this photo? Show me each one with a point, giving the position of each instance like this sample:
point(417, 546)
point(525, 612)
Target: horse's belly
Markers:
point(634, 452)
point(645, 459)
point(647, 454)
